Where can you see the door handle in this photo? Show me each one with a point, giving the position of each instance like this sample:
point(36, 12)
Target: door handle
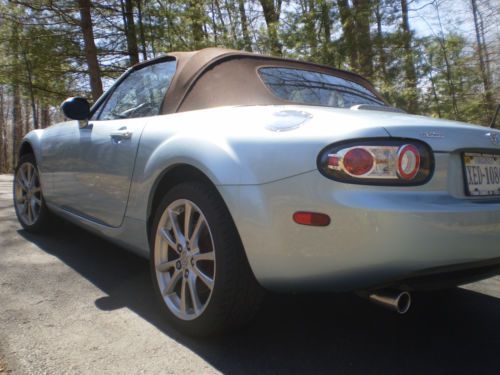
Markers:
point(121, 135)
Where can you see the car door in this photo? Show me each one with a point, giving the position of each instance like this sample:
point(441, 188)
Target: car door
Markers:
point(96, 162)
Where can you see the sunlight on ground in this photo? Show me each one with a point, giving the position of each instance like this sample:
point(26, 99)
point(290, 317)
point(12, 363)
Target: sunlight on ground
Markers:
point(489, 287)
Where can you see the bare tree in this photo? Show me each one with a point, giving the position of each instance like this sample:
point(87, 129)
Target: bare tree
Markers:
point(3, 133)
point(483, 56)
point(90, 48)
point(409, 65)
point(129, 25)
point(141, 30)
point(244, 26)
point(272, 11)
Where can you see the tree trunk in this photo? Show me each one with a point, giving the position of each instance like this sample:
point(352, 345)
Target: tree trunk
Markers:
point(90, 49)
point(327, 52)
point(196, 17)
point(214, 24)
point(128, 22)
point(380, 43)
point(216, 4)
point(141, 31)
point(433, 88)
point(17, 123)
point(485, 45)
point(3, 135)
point(310, 27)
point(449, 75)
point(231, 11)
point(348, 28)
point(409, 66)
point(44, 116)
point(272, 17)
point(488, 98)
point(362, 13)
point(449, 79)
point(152, 39)
point(244, 26)
point(29, 72)
point(27, 116)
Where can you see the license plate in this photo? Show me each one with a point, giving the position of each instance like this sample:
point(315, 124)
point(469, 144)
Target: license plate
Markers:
point(482, 172)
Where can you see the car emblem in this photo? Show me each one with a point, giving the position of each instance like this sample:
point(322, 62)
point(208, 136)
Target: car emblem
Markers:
point(432, 134)
point(494, 138)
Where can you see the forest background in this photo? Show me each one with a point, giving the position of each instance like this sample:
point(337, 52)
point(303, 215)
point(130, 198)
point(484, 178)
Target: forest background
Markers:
point(432, 57)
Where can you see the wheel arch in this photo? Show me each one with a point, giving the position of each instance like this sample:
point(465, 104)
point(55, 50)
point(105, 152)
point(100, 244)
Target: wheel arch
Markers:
point(31, 144)
point(169, 178)
point(25, 149)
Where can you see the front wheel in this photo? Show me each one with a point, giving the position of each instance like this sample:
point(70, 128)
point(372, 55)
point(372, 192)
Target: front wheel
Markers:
point(29, 203)
point(198, 265)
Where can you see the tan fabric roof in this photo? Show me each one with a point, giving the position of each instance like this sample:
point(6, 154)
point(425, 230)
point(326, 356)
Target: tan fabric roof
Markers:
point(214, 77)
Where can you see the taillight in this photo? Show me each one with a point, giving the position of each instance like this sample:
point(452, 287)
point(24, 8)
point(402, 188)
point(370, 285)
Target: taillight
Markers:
point(408, 162)
point(358, 161)
point(378, 162)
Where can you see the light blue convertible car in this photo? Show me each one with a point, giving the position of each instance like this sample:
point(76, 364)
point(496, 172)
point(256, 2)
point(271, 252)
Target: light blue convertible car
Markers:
point(235, 173)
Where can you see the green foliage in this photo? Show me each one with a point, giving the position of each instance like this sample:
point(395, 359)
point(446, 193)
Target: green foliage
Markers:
point(453, 85)
point(42, 54)
point(35, 56)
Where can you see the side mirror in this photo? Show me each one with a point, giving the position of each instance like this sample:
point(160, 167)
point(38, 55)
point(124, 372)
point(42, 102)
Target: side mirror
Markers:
point(76, 108)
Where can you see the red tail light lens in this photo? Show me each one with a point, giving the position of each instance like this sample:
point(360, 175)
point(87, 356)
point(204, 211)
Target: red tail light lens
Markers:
point(378, 162)
point(358, 161)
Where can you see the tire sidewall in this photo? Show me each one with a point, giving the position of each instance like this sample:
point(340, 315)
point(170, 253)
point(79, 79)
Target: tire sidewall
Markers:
point(203, 324)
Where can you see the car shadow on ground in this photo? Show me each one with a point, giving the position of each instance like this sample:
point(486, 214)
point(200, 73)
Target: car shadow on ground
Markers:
point(453, 331)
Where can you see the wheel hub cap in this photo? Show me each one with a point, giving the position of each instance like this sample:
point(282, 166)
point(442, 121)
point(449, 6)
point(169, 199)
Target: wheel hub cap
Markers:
point(184, 259)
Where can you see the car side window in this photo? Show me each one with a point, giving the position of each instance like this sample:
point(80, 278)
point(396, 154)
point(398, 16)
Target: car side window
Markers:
point(141, 93)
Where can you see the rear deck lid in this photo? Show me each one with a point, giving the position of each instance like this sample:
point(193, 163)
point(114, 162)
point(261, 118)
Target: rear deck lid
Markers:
point(443, 135)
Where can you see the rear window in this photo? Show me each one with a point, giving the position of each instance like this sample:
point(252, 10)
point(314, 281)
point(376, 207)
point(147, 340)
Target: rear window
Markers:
point(308, 87)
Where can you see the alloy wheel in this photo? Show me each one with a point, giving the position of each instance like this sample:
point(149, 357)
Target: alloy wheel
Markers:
point(28, 193)
point(184, 259)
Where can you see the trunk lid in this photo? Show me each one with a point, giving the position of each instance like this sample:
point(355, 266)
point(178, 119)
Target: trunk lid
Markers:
point(443, 135)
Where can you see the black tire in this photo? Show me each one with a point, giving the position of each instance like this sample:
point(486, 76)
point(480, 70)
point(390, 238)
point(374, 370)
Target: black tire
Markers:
point(42, 222)
point(236, 295)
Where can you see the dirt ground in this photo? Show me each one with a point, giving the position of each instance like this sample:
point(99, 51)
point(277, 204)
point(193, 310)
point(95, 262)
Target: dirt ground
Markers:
point(3, 367)
point(71, 303)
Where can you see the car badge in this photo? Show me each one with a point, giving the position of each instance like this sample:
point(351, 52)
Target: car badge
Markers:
point(432, 134)
point(494, 138)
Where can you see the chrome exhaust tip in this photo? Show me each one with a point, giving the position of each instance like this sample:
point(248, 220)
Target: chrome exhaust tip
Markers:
point(394, 300)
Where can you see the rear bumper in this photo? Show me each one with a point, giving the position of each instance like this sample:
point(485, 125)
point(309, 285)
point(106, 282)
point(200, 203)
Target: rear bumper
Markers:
point(378, 235)
point(443, 277)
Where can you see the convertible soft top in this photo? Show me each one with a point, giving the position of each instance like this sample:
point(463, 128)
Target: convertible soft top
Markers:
point(214, 77)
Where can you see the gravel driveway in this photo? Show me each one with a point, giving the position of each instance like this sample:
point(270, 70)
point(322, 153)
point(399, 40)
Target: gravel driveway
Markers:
point(71, 303)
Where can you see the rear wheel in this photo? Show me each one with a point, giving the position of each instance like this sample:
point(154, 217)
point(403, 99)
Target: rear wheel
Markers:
point(198, 265)
point(29, 203)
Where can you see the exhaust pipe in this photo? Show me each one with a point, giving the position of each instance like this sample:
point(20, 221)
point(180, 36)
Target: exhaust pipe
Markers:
point(394, 300)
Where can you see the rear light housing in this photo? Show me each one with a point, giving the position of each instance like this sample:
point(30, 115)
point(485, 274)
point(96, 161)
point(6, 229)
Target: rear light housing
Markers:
point(377, 161)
